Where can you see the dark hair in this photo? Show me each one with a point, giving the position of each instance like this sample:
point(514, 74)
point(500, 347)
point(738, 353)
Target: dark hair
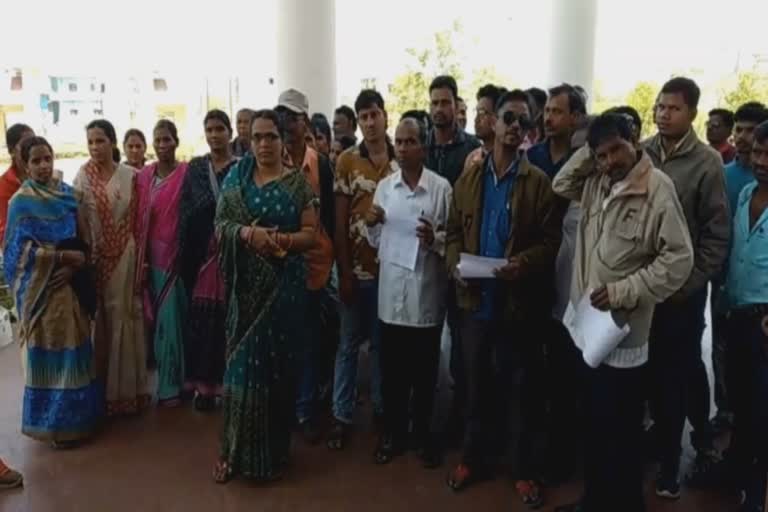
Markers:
point(422, 128)
point(367, 99)
point(13, 135)
point(346, 111)
point(459, 99)
point(539, 96)
point(320, 124)
point(724, 114)
point(445, 82)
point(516, 95)
point(685, 87)
point(628, 111)
point(218, 115)
point(346, 141)
point(271, 115)
point(761, 133)
point(167, 124)
point(109, 130)
point(491, 92)
point(420, 115)
point(608, 125)
point(752, 112)
point(28, 144)
point(135, 132)
point(246, 110)
point(575, 99)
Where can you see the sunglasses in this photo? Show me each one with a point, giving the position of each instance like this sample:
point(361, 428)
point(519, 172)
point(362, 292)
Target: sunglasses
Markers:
point(523, 120)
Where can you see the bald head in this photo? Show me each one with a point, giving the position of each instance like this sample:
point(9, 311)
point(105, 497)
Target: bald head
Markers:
point(410, 140)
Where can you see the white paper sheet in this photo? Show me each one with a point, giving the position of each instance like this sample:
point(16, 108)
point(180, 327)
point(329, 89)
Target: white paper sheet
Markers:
point(399, 244)
point(593, 330)
point(478, 267)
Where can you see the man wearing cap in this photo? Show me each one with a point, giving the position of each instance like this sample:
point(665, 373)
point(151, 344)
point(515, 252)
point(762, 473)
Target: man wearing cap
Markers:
point(293, 108)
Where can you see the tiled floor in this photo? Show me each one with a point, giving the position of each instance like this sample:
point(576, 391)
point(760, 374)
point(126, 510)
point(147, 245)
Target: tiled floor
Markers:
point(162, 462)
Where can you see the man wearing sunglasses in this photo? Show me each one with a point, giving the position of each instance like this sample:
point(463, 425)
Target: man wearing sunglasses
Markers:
point(503, 207)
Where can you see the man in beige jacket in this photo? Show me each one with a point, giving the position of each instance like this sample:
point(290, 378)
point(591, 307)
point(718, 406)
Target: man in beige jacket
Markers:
point(633, 251)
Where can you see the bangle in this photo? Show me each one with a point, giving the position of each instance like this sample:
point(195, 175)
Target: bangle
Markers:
point(59, 257)
point(290, 242)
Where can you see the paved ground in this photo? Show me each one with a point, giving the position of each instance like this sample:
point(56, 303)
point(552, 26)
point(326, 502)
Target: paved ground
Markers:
point(162, 462)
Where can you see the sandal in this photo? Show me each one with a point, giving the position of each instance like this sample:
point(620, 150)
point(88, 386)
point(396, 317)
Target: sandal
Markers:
point(10, 478)
point(460, 478)
point(64, 445)
point(204, 403)
point(386, 451)
point(338, 436)
point(530, 493)
point(169, 403)
point(222, 473)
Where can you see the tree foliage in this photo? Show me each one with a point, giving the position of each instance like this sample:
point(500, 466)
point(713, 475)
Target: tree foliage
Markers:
point(642, 98)
point(410, 90)
point(748, 86)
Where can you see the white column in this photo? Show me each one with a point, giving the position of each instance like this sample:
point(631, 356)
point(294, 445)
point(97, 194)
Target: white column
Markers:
point(572, 57)
point(306, 51)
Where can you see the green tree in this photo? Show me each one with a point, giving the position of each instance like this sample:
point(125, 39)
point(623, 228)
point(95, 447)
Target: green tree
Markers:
point(748, 86)
point(410, 90)
point(642, 98)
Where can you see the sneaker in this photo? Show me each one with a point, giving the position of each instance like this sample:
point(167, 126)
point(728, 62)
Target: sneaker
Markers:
point(667, 487)
point(708, 470)
point(529, 493)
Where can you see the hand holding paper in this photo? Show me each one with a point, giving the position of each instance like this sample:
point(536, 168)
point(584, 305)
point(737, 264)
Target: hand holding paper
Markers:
point(593, 330)
point(479, 267)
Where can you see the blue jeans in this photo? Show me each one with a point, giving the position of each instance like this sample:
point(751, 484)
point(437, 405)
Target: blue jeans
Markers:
point(307, 389)
point(359, 322)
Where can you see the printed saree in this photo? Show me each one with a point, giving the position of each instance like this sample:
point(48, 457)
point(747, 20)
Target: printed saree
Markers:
point(62, 399)
point(199, 268)
point(266, 299)
point(121, 360)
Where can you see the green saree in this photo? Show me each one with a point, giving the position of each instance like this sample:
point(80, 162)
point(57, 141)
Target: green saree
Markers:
point(265, 304)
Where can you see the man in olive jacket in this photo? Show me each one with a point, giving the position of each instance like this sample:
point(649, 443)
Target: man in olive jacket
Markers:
point(679, 376)
point(503, 207)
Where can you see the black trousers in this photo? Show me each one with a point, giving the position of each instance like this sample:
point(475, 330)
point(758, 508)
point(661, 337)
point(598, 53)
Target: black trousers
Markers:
point(747, 374)
point(614, 405)
point(679, 382)
point(410, 357)
point(502, 359)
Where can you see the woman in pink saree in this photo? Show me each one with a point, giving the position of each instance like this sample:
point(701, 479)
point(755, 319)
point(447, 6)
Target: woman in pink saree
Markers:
point(159, 187)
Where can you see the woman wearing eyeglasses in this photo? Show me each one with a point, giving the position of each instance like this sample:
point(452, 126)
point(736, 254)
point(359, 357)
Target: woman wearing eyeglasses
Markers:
point(265, 221)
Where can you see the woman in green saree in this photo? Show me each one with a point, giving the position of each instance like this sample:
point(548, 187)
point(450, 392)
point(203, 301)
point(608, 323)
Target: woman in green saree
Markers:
point(265, 220)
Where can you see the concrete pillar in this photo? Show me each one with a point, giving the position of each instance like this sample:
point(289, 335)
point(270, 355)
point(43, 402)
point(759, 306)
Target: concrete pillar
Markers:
point(573, 29)
point(306, 51)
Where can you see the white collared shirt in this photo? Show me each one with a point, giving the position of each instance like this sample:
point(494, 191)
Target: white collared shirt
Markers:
point(414, 298)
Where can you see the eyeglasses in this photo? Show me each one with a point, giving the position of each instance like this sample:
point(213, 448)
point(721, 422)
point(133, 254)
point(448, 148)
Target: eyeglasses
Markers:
point(269, 137)
point(523, 120)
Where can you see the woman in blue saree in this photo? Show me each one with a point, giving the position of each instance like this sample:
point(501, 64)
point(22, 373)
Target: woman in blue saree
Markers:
point(265, 220)
point(62, 401)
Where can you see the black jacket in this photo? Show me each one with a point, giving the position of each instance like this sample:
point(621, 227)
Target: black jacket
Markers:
point(448, 160)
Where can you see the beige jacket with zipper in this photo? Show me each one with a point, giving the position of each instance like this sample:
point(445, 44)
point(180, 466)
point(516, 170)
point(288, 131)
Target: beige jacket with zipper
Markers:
point(633, 238)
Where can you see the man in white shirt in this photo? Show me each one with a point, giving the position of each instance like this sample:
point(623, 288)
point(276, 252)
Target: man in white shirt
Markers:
point(412, 291)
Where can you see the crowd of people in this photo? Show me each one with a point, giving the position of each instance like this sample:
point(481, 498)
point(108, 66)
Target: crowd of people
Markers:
point(171, 281)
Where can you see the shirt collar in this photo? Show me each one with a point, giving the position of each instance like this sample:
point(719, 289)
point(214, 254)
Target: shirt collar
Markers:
point(678, 146)
point(423, 184)
point(490, 167)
